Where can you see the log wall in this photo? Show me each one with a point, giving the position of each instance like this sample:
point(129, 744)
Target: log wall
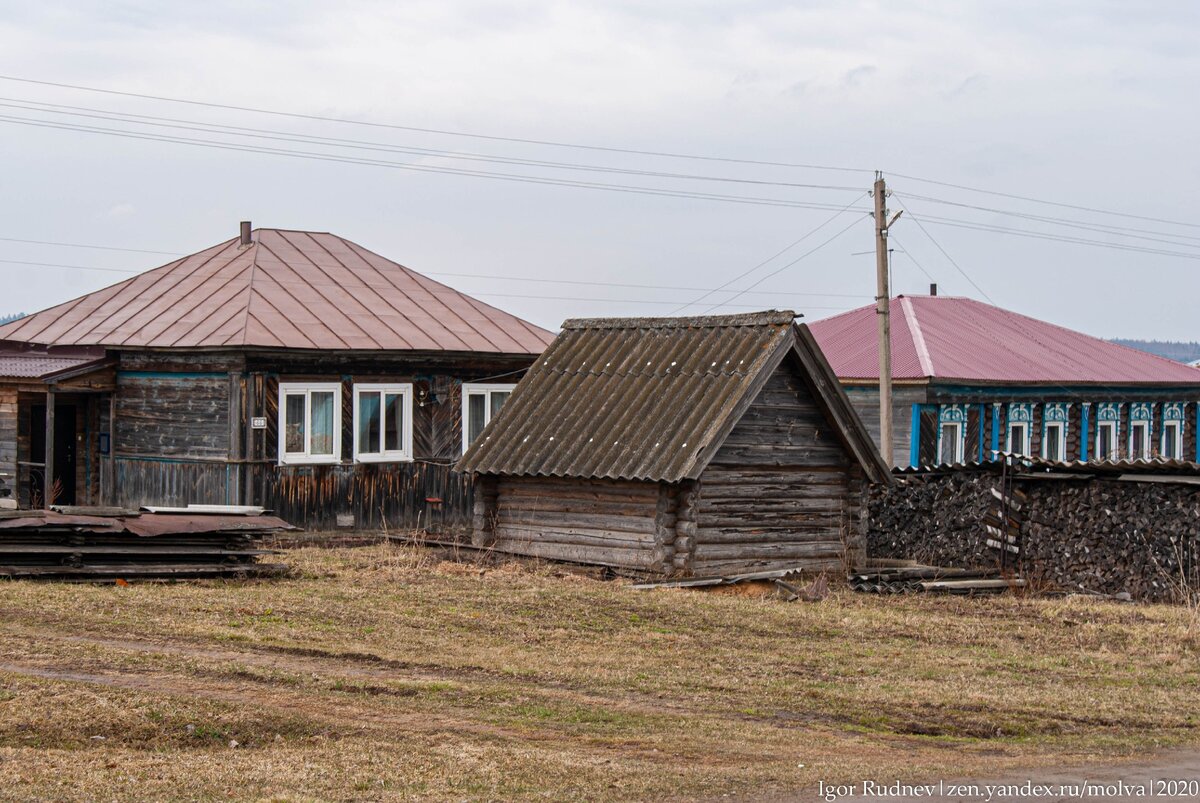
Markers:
point(781, 491)
point(623, 524)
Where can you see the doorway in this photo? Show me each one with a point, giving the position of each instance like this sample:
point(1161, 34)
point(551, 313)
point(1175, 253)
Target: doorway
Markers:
point(65, 439)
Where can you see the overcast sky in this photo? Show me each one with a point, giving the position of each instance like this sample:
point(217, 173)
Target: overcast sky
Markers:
point(1091, 104)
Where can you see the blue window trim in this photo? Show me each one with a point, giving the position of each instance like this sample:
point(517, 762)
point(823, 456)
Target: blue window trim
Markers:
point(982, 418)
point(914, 437)
point(1084, 431)
point(995, 428)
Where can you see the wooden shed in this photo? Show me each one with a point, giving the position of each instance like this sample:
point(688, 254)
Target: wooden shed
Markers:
point(677, 446)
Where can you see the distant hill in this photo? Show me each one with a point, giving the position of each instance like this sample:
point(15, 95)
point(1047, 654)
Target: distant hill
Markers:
point(1172, 350)
point(10, 318)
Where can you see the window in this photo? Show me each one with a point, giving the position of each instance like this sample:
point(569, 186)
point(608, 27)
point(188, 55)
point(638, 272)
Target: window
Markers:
point(1018, 438)
point(1172, 440)
point(950, 443)
point(1139, 440)
point(1106, 440)
point(480, 405)
point(310, 428)
point(382, 423)
point(1054, 441)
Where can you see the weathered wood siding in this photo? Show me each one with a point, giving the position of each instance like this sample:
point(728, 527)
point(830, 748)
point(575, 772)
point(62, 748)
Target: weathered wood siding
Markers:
point(172, 415)
point(624, 524)
point(780, 492)
point(8, 441)
point(865, 399)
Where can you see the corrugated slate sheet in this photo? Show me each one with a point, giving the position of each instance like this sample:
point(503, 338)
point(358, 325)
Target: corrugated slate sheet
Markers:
point(287, 289)
point(949, 338)
point(632, 398)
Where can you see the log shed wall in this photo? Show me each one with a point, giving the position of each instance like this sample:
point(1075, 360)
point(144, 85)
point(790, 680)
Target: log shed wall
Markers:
point(780, 491)
point(619, 523)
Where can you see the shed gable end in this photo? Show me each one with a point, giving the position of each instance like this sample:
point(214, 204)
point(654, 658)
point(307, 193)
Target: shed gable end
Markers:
point(783, 426)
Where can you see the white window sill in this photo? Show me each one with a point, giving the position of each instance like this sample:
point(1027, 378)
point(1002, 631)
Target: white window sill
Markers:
point(385, 457)
point(300, 460)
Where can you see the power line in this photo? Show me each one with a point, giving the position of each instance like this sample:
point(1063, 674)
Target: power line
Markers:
point(911, 256)
point(288, 136)
point(769, 259)
point(779, 270)
point(95, 247)
point(515, 177)
point(949, 258)
point(1076, 207)
point(442, 132)
point(71, 267)
point(1118, 231)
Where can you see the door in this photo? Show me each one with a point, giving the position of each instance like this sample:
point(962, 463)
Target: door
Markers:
point(64, 454)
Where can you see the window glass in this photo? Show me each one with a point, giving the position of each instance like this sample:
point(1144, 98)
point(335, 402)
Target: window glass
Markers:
point(1016, 438)
point(1171, 440)
point(949, 443)
point(321, 442)
point(476, 412)
point(498, 398)
point(393, 433)
point(1138, 441)
point(1054, 442)
point(294, 423)
point(1105, 438)
point(368, 423)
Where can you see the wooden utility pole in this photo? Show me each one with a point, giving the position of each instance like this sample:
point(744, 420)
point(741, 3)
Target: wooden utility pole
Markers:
point(883, 312)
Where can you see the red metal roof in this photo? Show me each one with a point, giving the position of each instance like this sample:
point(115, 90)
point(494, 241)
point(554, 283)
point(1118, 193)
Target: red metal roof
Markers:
point(287, 289)
point(950, 338)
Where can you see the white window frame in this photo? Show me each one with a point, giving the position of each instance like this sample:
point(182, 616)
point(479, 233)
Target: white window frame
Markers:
point(1178, 438)
point(1113, 450)
point(307, 389)
point(404, 453)
point(479, 388)
point(959, 440)
point(1061, 426)
point(1148, 445)
point(1025, 442)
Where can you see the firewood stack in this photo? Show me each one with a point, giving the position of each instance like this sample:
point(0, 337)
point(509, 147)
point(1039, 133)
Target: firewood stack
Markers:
point(1083, 534)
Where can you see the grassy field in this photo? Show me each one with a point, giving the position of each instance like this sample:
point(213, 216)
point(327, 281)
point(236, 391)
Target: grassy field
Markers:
point(383, 673)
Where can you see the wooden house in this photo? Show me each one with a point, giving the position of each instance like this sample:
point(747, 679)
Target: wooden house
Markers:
point(677, 446)
point(971, 379)
point(295, 370)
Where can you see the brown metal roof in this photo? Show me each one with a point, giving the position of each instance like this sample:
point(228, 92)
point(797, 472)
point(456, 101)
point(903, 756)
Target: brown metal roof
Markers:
point(287, 289)
point(21, 361)
point(649, 398)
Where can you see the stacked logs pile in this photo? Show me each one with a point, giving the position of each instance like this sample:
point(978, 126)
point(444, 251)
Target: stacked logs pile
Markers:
point(1090, 535)
point(935, 519)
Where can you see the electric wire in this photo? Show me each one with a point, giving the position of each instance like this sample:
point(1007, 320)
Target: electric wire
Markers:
point(307, 139)
point(514, 177)
point(777, 271)
point(949, 258)
point(442, 132)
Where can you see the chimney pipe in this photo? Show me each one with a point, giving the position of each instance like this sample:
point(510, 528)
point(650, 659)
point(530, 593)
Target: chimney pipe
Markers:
point(933, 289)
point(245, 232)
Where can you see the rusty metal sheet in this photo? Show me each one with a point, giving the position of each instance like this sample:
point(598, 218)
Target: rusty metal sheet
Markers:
point(152, 524)
point(287, 289)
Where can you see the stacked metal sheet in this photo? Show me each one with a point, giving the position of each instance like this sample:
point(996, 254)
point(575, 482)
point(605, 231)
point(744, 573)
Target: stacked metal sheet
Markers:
point(107, 545)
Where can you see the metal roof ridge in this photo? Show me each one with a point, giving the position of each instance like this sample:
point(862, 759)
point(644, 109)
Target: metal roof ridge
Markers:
point(918, 337)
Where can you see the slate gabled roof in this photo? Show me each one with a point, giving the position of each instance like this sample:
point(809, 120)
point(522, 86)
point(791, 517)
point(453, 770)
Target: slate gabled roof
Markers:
point(951, 338)
point(652, 398)
point(289, 290)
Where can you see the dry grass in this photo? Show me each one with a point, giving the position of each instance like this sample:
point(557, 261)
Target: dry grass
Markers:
point(379, 673)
